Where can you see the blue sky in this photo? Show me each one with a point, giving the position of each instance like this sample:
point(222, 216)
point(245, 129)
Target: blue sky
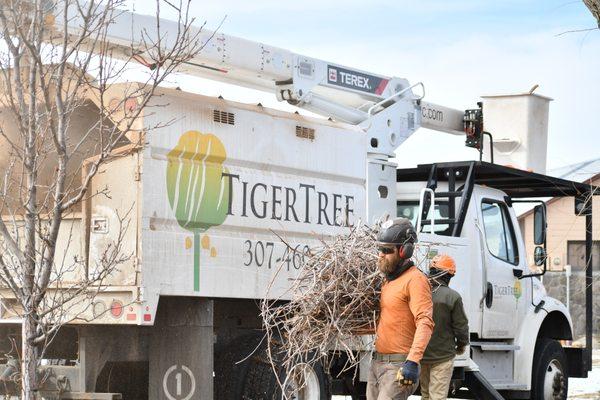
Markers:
point(459, 49)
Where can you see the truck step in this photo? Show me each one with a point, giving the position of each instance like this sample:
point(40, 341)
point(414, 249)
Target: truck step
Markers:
point(495, 346)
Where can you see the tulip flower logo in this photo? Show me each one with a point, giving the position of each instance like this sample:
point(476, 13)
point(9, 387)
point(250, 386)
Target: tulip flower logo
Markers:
point(518, 291)
point(197, 193)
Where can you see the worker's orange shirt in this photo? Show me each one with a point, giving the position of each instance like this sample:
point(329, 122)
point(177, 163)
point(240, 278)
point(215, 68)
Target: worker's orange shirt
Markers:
point(405, 323)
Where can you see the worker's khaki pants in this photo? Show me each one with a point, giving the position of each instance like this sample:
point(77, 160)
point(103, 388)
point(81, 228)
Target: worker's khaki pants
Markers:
point(435, 380)
point(382, 384)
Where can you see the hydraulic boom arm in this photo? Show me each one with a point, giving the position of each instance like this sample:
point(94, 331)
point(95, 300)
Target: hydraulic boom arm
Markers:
point(386, 107)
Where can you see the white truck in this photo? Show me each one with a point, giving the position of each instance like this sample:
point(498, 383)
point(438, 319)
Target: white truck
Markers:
point(212, 191)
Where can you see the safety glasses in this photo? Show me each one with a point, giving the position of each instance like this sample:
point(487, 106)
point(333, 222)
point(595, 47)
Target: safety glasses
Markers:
point(386, 249)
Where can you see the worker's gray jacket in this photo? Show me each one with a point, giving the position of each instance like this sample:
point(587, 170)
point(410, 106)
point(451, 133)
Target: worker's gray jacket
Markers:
point(451, 326)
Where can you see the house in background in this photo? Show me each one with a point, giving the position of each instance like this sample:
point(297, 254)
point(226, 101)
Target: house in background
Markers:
point(565, 245)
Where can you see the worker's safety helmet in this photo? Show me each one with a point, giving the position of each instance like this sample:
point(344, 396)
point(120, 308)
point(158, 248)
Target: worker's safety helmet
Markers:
point(444, 262)
point(398, 232)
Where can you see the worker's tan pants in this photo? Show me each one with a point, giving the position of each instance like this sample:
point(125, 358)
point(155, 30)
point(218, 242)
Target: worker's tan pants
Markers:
point(382, 384)
point(435, 380)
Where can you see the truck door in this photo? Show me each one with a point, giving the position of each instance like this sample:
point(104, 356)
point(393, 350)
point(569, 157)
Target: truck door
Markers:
point(500, 256)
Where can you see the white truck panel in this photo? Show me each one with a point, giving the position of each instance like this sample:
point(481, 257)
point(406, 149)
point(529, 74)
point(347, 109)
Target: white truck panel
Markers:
point(114, 218)
point(298, 187)
point(68, 249)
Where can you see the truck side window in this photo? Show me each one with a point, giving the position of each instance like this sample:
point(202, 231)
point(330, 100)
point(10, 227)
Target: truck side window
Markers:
point(499, 232)
point(410, 209)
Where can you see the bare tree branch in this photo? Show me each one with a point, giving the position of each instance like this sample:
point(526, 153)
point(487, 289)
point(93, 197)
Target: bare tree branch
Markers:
point(594, 7)
point(49, 77)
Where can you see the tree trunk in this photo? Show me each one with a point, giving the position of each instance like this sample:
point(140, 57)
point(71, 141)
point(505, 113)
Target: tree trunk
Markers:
point(29, 361)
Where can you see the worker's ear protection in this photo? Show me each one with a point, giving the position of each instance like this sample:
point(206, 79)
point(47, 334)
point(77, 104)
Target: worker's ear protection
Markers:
point(406, 251)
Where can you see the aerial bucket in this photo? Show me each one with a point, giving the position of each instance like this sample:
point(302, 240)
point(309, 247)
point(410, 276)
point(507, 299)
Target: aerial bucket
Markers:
point(519, 126)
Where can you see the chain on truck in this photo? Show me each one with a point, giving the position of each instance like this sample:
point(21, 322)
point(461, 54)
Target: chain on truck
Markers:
point(184, 309)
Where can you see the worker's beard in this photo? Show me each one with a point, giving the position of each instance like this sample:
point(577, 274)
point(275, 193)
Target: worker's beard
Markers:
point(387, 265)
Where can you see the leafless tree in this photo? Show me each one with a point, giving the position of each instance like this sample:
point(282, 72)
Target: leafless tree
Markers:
point(56, 62)
point(594, 7)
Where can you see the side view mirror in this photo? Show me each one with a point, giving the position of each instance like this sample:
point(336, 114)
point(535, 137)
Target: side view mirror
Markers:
point(517, 273)
point(539, 225)
point(539, 256)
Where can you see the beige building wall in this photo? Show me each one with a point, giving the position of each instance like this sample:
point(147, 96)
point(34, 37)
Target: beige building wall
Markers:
point(563, 226)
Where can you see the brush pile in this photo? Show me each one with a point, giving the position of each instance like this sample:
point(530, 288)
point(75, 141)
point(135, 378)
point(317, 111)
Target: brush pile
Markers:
point(335, 299)
point(334, 305)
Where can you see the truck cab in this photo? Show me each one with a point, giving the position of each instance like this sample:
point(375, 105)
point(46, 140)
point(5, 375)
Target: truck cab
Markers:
point(465, 209)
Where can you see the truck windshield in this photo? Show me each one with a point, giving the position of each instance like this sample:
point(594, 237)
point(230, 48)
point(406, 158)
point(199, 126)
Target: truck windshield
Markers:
point(410, 210)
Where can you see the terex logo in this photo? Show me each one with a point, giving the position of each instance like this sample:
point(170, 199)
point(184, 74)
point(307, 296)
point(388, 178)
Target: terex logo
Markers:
point(355, 80)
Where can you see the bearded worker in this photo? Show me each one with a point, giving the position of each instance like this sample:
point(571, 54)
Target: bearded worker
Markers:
point(405, 322)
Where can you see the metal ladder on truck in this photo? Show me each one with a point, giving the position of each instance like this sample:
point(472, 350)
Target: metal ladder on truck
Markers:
point(456, 218)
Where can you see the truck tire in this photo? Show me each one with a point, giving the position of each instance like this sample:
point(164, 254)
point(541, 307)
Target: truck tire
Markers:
point(254, 378)
point(262, 384)
point(549, 375)
point(230, 370)
point(316, 387)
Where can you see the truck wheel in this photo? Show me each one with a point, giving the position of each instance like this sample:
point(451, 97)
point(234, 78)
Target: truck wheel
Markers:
point(254, 378)
point(230, 370)
point(549, 375)
point(306, 382)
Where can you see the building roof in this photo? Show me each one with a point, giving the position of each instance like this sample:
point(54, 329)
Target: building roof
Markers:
point(580, 172)
point(585, 172)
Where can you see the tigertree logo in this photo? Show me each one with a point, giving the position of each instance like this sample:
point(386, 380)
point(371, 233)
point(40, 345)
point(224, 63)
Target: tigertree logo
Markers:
point(518, 291)
point(197, 193)
point(200, 190)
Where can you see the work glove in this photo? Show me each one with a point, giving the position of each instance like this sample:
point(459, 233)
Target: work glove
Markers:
point(408, 374)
